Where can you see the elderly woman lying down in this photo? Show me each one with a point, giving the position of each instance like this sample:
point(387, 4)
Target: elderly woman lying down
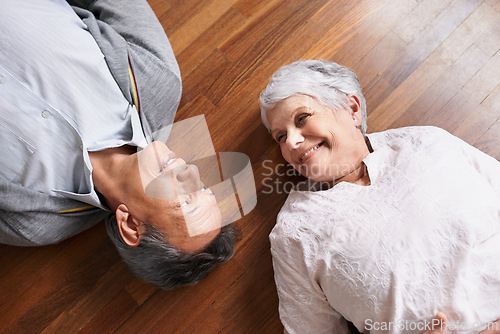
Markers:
point(408, 227)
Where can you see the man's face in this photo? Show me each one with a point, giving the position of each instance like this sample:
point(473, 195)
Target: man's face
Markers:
point(175, 200)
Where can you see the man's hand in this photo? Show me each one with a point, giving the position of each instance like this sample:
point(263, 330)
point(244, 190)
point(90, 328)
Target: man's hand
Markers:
point(438, 324)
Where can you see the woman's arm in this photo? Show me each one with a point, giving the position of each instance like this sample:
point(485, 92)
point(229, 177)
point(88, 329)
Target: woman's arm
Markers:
point(487, 166)
point(303, 307)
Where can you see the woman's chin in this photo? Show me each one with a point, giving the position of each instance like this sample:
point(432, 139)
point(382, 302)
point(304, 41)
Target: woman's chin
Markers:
point(317, 178)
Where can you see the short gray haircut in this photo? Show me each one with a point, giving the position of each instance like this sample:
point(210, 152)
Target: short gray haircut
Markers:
point(328, 82)
point(156, 261)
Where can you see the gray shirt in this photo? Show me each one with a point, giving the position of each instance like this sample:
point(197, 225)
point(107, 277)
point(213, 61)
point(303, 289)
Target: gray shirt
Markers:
point(135, 46)
point(56, 82)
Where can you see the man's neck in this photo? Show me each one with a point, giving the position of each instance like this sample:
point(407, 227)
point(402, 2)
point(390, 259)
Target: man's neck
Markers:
point(108, 173)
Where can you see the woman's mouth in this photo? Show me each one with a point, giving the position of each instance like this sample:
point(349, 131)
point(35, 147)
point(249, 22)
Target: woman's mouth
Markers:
point(309, 152)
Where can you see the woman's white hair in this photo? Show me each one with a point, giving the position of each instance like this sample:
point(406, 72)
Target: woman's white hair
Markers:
point(326, 81)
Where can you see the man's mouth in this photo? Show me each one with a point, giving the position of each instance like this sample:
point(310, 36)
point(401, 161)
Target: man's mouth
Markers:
point(168, 160)
point(309, 151)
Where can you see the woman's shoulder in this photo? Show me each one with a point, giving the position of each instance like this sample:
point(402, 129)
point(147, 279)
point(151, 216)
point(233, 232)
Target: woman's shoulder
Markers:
point(411, 138)
point(417, 132)
point(298, 218)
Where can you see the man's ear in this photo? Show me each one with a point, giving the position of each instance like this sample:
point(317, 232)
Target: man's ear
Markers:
point(130, 228)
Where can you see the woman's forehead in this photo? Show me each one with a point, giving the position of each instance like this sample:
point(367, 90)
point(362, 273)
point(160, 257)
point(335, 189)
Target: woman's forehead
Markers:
point(286, 109)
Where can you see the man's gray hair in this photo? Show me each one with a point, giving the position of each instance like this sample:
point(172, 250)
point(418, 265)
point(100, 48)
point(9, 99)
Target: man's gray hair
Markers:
point(328, 82)
point(156, 261)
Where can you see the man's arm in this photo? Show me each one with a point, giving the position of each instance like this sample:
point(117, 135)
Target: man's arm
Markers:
point(139, 57)
point(134, 21)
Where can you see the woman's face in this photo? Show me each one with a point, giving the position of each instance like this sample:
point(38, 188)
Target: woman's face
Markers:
point(322, 144)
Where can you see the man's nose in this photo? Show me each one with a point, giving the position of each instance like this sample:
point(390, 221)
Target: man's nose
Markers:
point(189, 179)
point(294, 139)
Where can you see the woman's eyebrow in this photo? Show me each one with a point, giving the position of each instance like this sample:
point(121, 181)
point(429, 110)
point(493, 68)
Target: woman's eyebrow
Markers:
point(305, 108)
point(273, 132)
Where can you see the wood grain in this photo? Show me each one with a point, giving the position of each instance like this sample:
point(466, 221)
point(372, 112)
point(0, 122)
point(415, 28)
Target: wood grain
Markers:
point(420, 62)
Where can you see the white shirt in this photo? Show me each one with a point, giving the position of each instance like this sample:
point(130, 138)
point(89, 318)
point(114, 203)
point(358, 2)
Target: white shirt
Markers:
point(58, 100)
point(423, 237)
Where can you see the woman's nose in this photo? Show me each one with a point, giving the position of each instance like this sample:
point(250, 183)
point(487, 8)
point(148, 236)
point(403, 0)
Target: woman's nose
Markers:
point(294, 139)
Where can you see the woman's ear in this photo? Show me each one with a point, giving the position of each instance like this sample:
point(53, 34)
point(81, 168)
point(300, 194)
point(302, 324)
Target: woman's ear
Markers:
point(354, 103)
point(355, 106)
point(130, 228)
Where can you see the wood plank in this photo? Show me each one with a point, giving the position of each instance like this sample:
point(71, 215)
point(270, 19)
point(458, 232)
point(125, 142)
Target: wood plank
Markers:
point(495, 4)
point(453, 113)
point(430, 38)
point(177, 309)
point(179, 12)
point(344, 30)
point(376, 61)
point(254, 316)
point(196, 24)
point(485, 80)
point(490, 141)
point(209, 40)
point(419, 18)
point(111, 315)
point(227, 50)
point(202, 79)
point(371, 32)
point(236, 91)
point(252, 9)
point(257, 37)
point(140, 291)
point(429, 71)
point(65, 294)
point(160, 7)
point(375, 93)
point(481, 119)
point(333, 11)
point(207, 322)
point(428, 108)
point(489, 41)
point(92, 302)
point(37, 287)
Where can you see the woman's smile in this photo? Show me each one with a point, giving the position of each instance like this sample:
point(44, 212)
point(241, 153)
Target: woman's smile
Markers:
point(310, 152)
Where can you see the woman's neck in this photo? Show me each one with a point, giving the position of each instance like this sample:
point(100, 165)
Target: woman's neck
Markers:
point(358, 176)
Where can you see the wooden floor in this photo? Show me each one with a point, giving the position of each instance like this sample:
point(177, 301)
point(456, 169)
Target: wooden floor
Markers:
point(421, 62)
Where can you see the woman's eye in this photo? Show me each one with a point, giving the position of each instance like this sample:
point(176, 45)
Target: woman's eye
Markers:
point(280, 138)
point(185, 203)
point(302, 117)
point(204, 189)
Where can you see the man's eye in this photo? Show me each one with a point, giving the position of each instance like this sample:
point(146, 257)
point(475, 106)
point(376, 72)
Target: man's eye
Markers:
point(205, 189)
